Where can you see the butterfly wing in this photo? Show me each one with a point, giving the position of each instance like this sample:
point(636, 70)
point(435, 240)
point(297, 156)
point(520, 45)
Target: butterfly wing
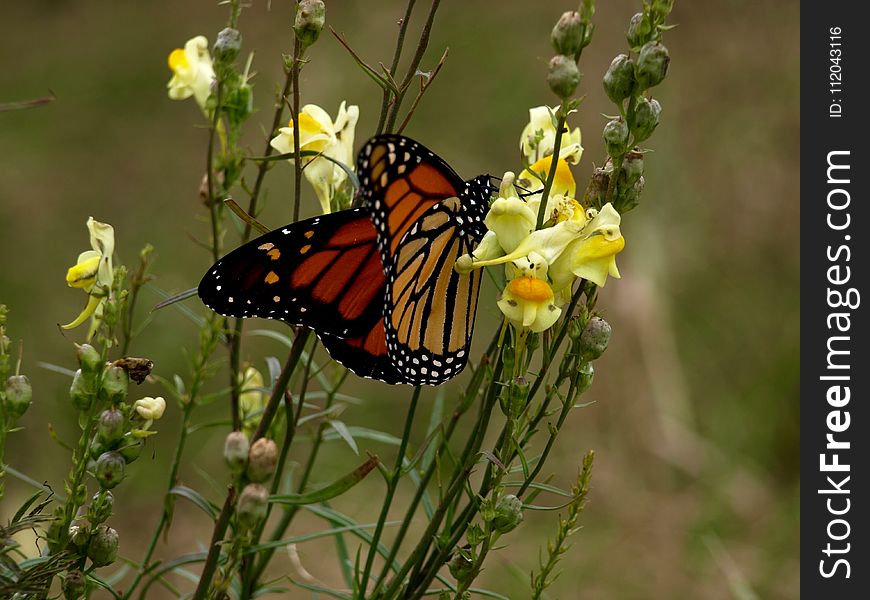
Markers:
point(324, 273)
point(365, 355)
point(400, 180)
point(431, 307)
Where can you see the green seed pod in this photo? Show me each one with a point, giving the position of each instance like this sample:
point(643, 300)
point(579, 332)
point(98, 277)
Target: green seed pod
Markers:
point(74, 585)
point(594, 340)
point(619, 79)
point(645, 118)
point(616, 137)
point(513, 397)
point(81, 391)
point(460, 565)
point(632, 168)
point(567, 36)
point(227, 45)
point(103, 548)
point(652, 64)
point(89, 359)
point(262, 459)
point(253, 504)
point(563, 76)
point(508, 513)
point(596, 191)
point(236, 448)
point(130, 448)
point(310, 17)
point(114, 384)
point(110, 428)
point(19, 395)
point(110, 469)
point(587, 374)
point(630, 197)
point(101, 507)
point(639, 29)
point(80, 535)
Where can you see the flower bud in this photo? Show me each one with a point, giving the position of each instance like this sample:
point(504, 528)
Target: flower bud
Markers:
point(645, 118)
point(662, 8)
point(236, 448)
point(632, 168)
point(89, 359)
point(110, 469)
point(149, 408)
point(563, 76)
point(639, 29)
point(310, 17)
point(110, 427)
point(652, 64)
point(619, 79)
point(19, 395)
point(104, 546)
point(227, 45)
point(114, 385)
point(508, 513)
point(616, 137)
point(262, 459)
point(74, 585)
point(567, 36)
point(253, 504)
point(460, 565)
point(594, 340)
point(587, 374)
point(81, 391)
point(101, 507)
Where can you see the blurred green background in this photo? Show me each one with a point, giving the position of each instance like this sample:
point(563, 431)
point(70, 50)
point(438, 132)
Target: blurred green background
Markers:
point(695, 415)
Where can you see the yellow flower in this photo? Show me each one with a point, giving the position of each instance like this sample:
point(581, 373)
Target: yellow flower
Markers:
point(592, 255)
point(528, 302)
point(318, 133)
point(93, 269)
point(538, 139)
point(192, 71)
point(150, 409)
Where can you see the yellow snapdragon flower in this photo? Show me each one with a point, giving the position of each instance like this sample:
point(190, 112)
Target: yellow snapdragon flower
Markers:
point(538, 139)
point(319, 133)
point(93, 269)
point(192, 72)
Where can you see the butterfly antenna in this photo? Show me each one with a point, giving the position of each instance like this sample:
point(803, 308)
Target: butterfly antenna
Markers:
point(175, 298)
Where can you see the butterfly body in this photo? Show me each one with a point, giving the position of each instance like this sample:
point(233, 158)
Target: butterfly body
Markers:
point(376, 283)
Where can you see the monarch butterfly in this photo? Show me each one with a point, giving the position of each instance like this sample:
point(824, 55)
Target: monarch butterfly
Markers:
point(376, 283)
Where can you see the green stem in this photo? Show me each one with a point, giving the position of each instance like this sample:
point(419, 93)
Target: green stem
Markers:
point(297, 163)
point(457, 484)
point(290, 511)
point(144, 567)
point(400, 42)
point(561, 117)
point(281, 383)
point(412, 68)
point(215, 546)
point(392, 484)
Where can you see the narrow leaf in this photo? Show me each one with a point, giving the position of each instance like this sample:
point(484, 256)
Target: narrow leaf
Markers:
point(327, 492)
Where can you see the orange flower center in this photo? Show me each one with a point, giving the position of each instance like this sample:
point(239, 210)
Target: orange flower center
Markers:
point(530, 289)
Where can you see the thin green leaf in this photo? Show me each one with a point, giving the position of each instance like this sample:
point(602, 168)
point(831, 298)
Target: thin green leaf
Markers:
point(434, 424)
point(366, 434)
point(298, 539)
point(23, 509)
point(318, 588)
point(335, 517)
point(56, 369)
point(329, 491)
point(540, 486)
point(342, 430)
point(207, 507)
